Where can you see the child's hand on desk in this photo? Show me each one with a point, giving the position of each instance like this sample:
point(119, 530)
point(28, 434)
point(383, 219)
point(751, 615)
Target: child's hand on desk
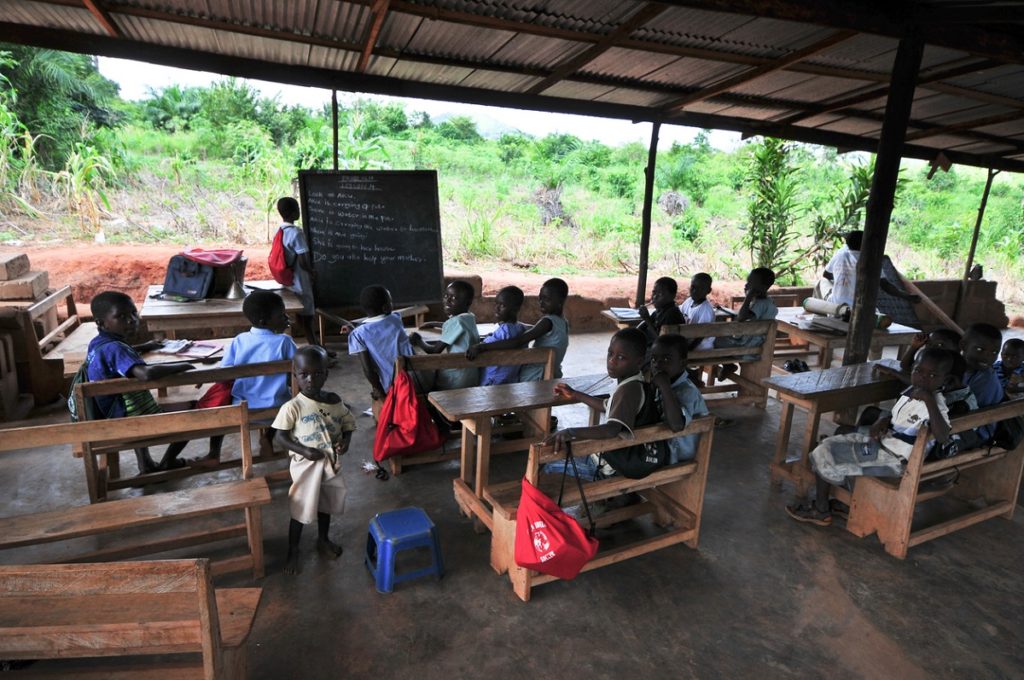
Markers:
point(564, 391)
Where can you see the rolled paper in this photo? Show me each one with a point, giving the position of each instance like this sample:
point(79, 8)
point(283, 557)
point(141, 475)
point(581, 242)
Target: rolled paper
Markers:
point(825, 308)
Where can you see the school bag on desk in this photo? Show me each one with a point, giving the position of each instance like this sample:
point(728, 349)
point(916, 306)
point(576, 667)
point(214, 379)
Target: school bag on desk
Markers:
point(548, 540)
point(188, 279)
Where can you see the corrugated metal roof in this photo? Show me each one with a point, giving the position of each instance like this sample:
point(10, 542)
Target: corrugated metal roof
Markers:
point(500, 50)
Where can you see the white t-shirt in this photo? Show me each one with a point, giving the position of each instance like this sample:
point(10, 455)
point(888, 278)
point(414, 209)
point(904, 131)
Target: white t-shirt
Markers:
point(699, 313)
point(843, 267)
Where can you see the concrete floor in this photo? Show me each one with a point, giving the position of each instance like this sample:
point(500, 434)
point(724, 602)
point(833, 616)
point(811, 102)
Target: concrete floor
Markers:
point(762, 596)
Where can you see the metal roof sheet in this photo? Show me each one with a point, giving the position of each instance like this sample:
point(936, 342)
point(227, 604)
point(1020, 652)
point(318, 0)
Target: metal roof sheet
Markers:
point(55, 16)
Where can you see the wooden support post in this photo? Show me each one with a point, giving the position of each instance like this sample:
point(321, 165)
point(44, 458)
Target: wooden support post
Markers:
point(645, 223)
point(334, 125)
point(974, 243)
point(880, 200)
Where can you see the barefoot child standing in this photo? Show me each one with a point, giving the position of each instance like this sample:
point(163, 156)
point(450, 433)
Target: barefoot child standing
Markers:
point(316, 428)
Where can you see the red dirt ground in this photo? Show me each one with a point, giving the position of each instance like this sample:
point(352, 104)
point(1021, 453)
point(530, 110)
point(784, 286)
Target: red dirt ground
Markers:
point(91, 268)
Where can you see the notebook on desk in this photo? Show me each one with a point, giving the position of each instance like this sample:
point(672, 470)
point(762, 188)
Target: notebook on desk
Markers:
point(625, 313)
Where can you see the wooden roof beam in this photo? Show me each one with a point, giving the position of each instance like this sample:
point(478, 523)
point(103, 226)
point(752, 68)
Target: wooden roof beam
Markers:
point(755, 73)
point(640, 17)
point(968, 126)
point(102, 17)
point(380, 12)
point(846, 102)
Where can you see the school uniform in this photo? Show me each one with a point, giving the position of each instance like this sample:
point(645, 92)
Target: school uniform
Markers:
point(317, 485)
point(692, 404)
point(557, 338)
point(459, 333)
point(699, 312)
point(501, 375)
point(294, 242)
point(384, 338)
point(985, 385)
point(258, 345)
point(109, 357)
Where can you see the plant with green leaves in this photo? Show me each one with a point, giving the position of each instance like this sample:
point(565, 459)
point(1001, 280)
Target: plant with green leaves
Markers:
point(771, 212)
point(82, 184)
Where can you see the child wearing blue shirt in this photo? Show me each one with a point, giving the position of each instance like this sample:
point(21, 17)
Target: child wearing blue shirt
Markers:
point(980, 346)
point(679, 398)
point(378, 341)
point(297, 253)
point(1010, 367)
point(551, 331)
point(458, 334)
point(109, 356)
point(265, 341)
point(506, 308)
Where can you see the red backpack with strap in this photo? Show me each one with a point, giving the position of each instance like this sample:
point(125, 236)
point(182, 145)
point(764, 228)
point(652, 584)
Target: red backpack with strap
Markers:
point(405, 424)
point(282, 272)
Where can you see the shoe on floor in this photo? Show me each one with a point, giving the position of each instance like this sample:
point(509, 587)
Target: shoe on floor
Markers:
point(806, 512)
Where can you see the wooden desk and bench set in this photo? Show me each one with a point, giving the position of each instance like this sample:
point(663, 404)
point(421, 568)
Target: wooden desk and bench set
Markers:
point(169, 510)
point(111, 621)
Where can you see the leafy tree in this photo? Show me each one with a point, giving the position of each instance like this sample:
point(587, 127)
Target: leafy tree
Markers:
point(772, 208)
point(459, 129)
point(512, 146)
point(59, 94)
point(172, 108)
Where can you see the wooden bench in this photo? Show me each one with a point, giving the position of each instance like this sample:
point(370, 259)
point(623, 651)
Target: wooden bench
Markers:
point(434, 362)
point(674, 495)
point(170, 508)
point(886, 506)
point(102, 461)
point(755, 363)
point(39, 344)
point(99, 614)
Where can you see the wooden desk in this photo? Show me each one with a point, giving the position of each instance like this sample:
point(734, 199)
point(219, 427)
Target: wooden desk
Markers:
point(165, 318)
point(820, 392)
point(475, 406)
point(796, 323)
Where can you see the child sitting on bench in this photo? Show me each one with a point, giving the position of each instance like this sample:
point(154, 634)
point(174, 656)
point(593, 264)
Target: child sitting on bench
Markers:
point(265, 341)
point(1010, 367)
point(679, 398)
point(379, 341)
point(626, 353)
point(666, 313)
point(109, 356)
point(507, 304)
point(883, 450)
point(316, 427)
point(458, 334)
point(551, 331)
point(757, 306)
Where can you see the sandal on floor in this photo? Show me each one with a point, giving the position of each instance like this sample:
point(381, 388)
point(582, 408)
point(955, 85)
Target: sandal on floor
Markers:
point(805, 512)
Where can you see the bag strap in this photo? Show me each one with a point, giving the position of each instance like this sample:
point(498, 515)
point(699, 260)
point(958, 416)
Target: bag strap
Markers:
point(570, 459)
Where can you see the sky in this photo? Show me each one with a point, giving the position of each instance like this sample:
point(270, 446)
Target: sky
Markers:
point(136, 78)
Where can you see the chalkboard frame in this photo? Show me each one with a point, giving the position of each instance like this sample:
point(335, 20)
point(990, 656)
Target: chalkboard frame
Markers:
point(434, 211)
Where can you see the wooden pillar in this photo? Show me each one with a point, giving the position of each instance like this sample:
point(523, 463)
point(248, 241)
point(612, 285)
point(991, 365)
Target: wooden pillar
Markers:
point(334, 124)
point(974, 243)
point(880, 199)
point(645, 220)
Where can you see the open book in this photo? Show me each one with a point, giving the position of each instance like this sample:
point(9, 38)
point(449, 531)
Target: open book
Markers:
point(192, 349)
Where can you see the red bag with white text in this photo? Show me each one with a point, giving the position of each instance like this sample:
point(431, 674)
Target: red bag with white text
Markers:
point(405, 424)
point(547, 539)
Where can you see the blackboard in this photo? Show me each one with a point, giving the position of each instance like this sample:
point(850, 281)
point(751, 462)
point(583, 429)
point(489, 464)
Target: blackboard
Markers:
point(373, 227)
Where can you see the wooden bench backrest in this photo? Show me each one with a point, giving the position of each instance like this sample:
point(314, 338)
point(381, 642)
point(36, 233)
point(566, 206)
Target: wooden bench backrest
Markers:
point(40, 308)
point(780, 300)
point(723, 329)
point(504, 357)
point(95, 432)
point(82, 584)
point(968, 421)
point(204, 376)
point(545, 453)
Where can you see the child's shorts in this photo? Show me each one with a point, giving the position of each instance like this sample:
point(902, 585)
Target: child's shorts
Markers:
point(852, 455)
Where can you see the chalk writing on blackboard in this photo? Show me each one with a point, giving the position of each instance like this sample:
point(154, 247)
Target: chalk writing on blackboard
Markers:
point(378, 227)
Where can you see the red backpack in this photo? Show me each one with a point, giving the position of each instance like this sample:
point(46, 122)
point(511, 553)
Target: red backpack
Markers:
point(282, 272)
point(405, 424)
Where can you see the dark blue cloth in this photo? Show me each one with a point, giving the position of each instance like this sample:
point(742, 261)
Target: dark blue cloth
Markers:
point(984, 384)
point(109, 357)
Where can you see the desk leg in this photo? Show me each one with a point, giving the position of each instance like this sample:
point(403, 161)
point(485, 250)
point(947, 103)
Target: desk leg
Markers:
point(803, 468)
point(595, 417)
point(825, 356)
point(467, 455)
point(782, 442)
point(483, 455)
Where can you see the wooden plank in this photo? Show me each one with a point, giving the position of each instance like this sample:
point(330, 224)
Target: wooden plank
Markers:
point(966, 520)
point(130, 578)
point(505, 357)
point(156, 546)
point(125, 513)
point(195, 377)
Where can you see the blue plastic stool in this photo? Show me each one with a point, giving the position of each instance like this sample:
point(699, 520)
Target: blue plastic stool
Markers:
point(394, 531)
